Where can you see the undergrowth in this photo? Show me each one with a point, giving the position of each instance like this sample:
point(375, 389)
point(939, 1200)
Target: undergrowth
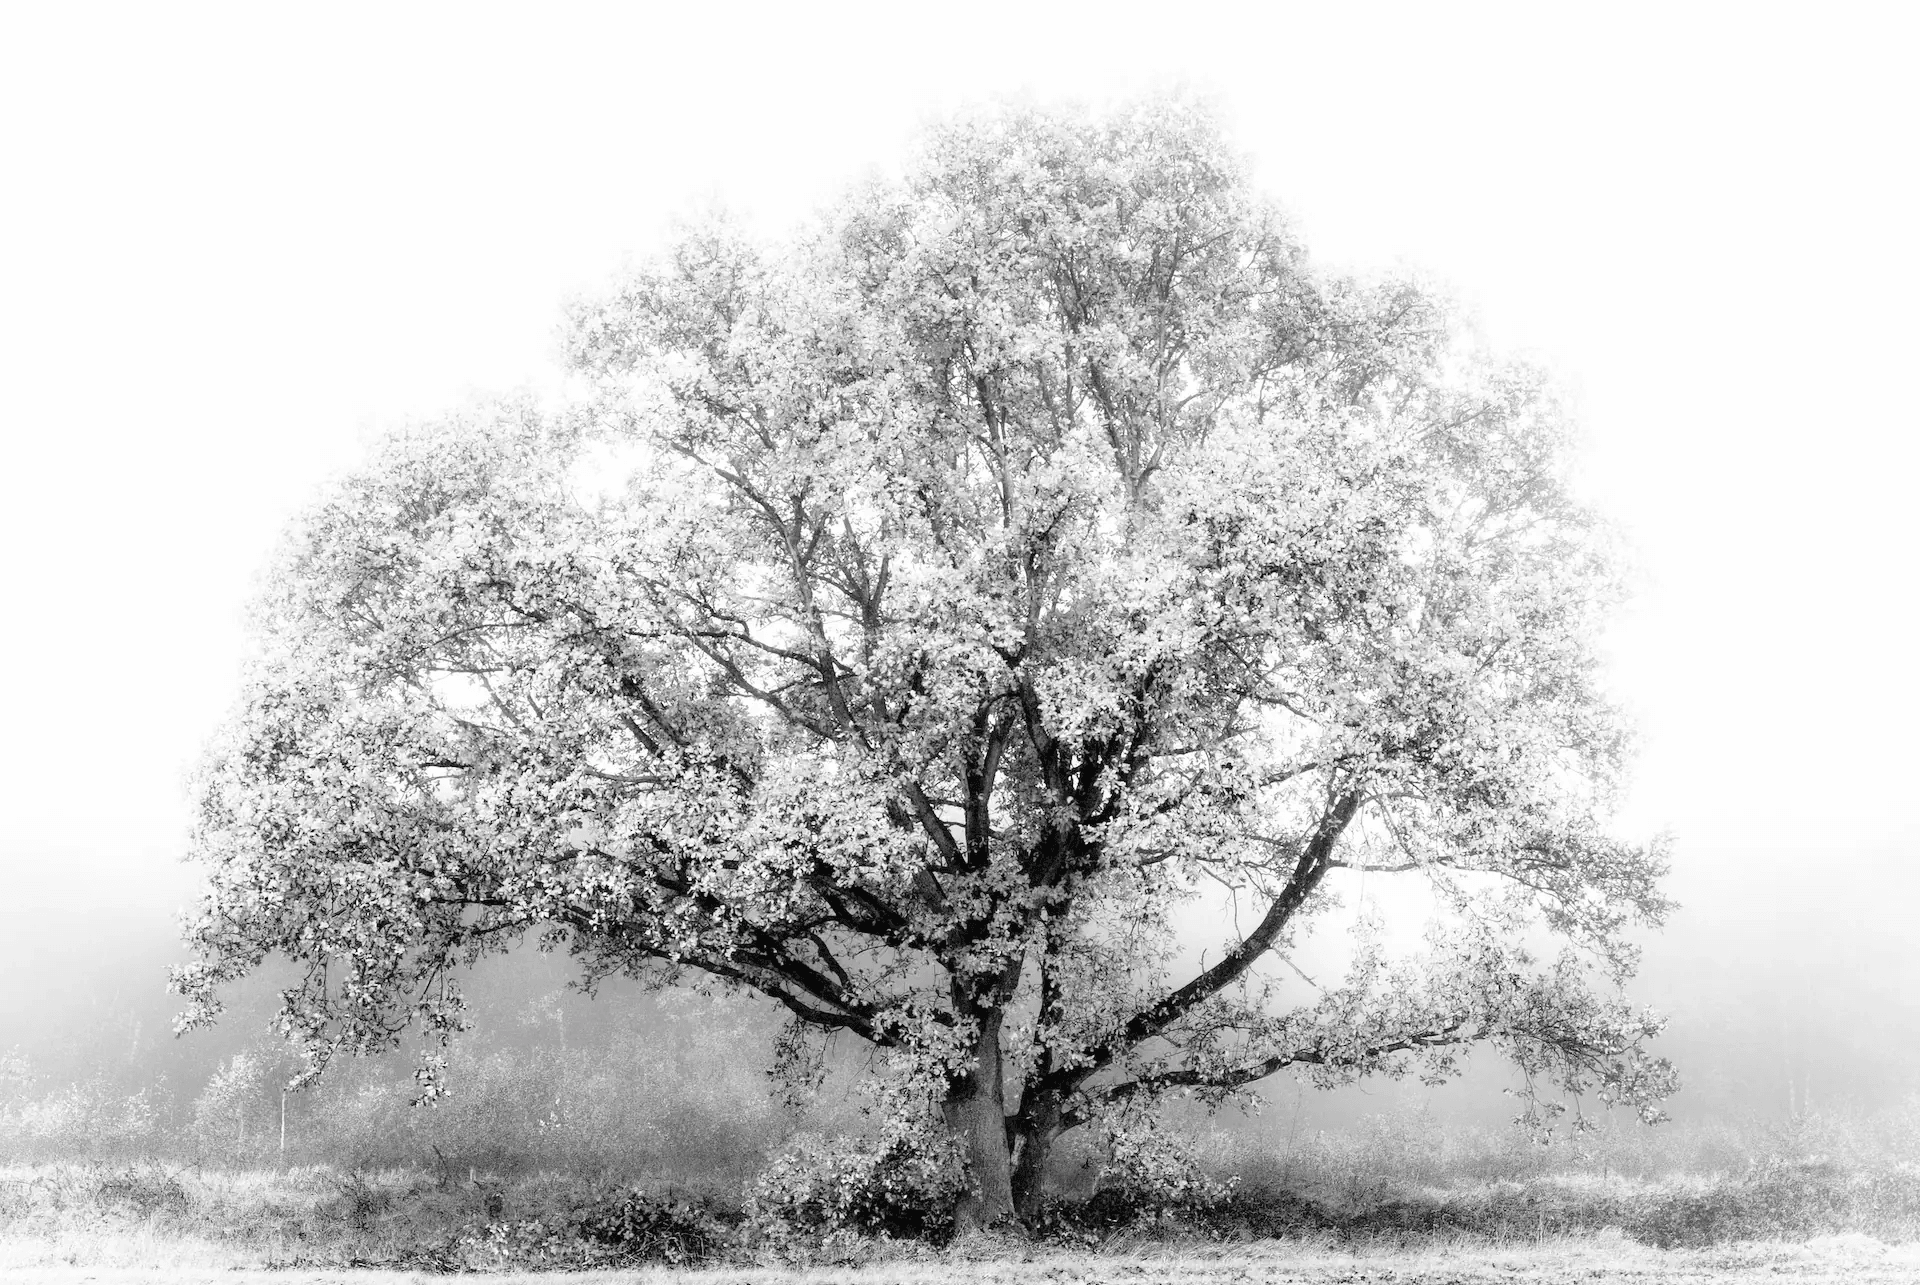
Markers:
point(408, 1219)
point(1791, 1200)
point(1396, 1179)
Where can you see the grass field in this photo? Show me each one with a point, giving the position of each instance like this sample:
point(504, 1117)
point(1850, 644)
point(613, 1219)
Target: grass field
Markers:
point(150, 1222)
point(1564, 1261)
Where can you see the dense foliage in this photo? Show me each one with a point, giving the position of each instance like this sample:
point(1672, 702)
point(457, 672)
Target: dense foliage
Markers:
point(915, 615)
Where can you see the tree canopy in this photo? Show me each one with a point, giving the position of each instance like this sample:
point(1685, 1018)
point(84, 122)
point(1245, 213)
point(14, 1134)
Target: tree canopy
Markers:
point(908, 619)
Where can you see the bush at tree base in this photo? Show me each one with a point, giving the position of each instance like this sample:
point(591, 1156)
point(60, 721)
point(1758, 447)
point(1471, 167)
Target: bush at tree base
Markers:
point(643, 1228)
point(902, 1185)
point(1152, 1170)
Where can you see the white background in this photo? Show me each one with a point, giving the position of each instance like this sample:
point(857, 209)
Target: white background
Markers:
point(234, 242)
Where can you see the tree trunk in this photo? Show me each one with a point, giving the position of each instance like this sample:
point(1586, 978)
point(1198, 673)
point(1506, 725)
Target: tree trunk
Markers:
point(976, 1112)
point(1038, 1126)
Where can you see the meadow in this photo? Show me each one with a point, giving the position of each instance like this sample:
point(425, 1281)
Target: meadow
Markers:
point(1556, 1262)
point(1393, 1201)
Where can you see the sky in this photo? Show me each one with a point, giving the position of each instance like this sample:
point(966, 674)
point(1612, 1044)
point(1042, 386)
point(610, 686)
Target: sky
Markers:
point(237, 242)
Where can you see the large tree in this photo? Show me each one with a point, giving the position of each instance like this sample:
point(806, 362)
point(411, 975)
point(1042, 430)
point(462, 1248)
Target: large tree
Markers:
point(906, 621)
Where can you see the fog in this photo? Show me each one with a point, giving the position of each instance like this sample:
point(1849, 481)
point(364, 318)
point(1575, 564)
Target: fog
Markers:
point(239, 245)
point(1790, 995)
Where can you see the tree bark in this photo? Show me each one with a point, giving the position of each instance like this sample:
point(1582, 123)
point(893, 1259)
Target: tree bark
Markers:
point(975, 1110)
point(1039, 1124)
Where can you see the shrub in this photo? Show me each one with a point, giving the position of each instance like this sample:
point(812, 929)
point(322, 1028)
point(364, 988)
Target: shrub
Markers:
point(360, 1200)
point(637, 1227)
point(530, 1245)
point(900, 1186)
point(1152, 1171)
point(144, 1192)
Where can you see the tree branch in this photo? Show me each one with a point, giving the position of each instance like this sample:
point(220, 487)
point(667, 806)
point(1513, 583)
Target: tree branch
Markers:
point(1307, 873)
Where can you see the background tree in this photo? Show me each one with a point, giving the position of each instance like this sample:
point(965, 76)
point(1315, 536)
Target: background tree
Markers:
point(917, 614)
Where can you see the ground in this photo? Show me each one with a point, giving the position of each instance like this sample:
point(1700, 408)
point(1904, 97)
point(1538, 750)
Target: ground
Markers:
point(151, 1221)
point(1856, 1260)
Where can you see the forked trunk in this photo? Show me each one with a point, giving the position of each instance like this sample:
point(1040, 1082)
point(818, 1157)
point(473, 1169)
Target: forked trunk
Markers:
point(976, 1112)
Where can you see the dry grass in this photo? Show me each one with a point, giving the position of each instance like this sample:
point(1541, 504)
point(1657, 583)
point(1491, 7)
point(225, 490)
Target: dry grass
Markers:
point(1565, 1261)
point(151, 1223)
point(183, 1220)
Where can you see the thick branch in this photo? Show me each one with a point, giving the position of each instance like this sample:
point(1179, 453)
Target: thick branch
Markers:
point(1307, 873)
point(1235, 1077)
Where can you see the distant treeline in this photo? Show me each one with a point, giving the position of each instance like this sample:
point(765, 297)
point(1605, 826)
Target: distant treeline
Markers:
point(653, 1085)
